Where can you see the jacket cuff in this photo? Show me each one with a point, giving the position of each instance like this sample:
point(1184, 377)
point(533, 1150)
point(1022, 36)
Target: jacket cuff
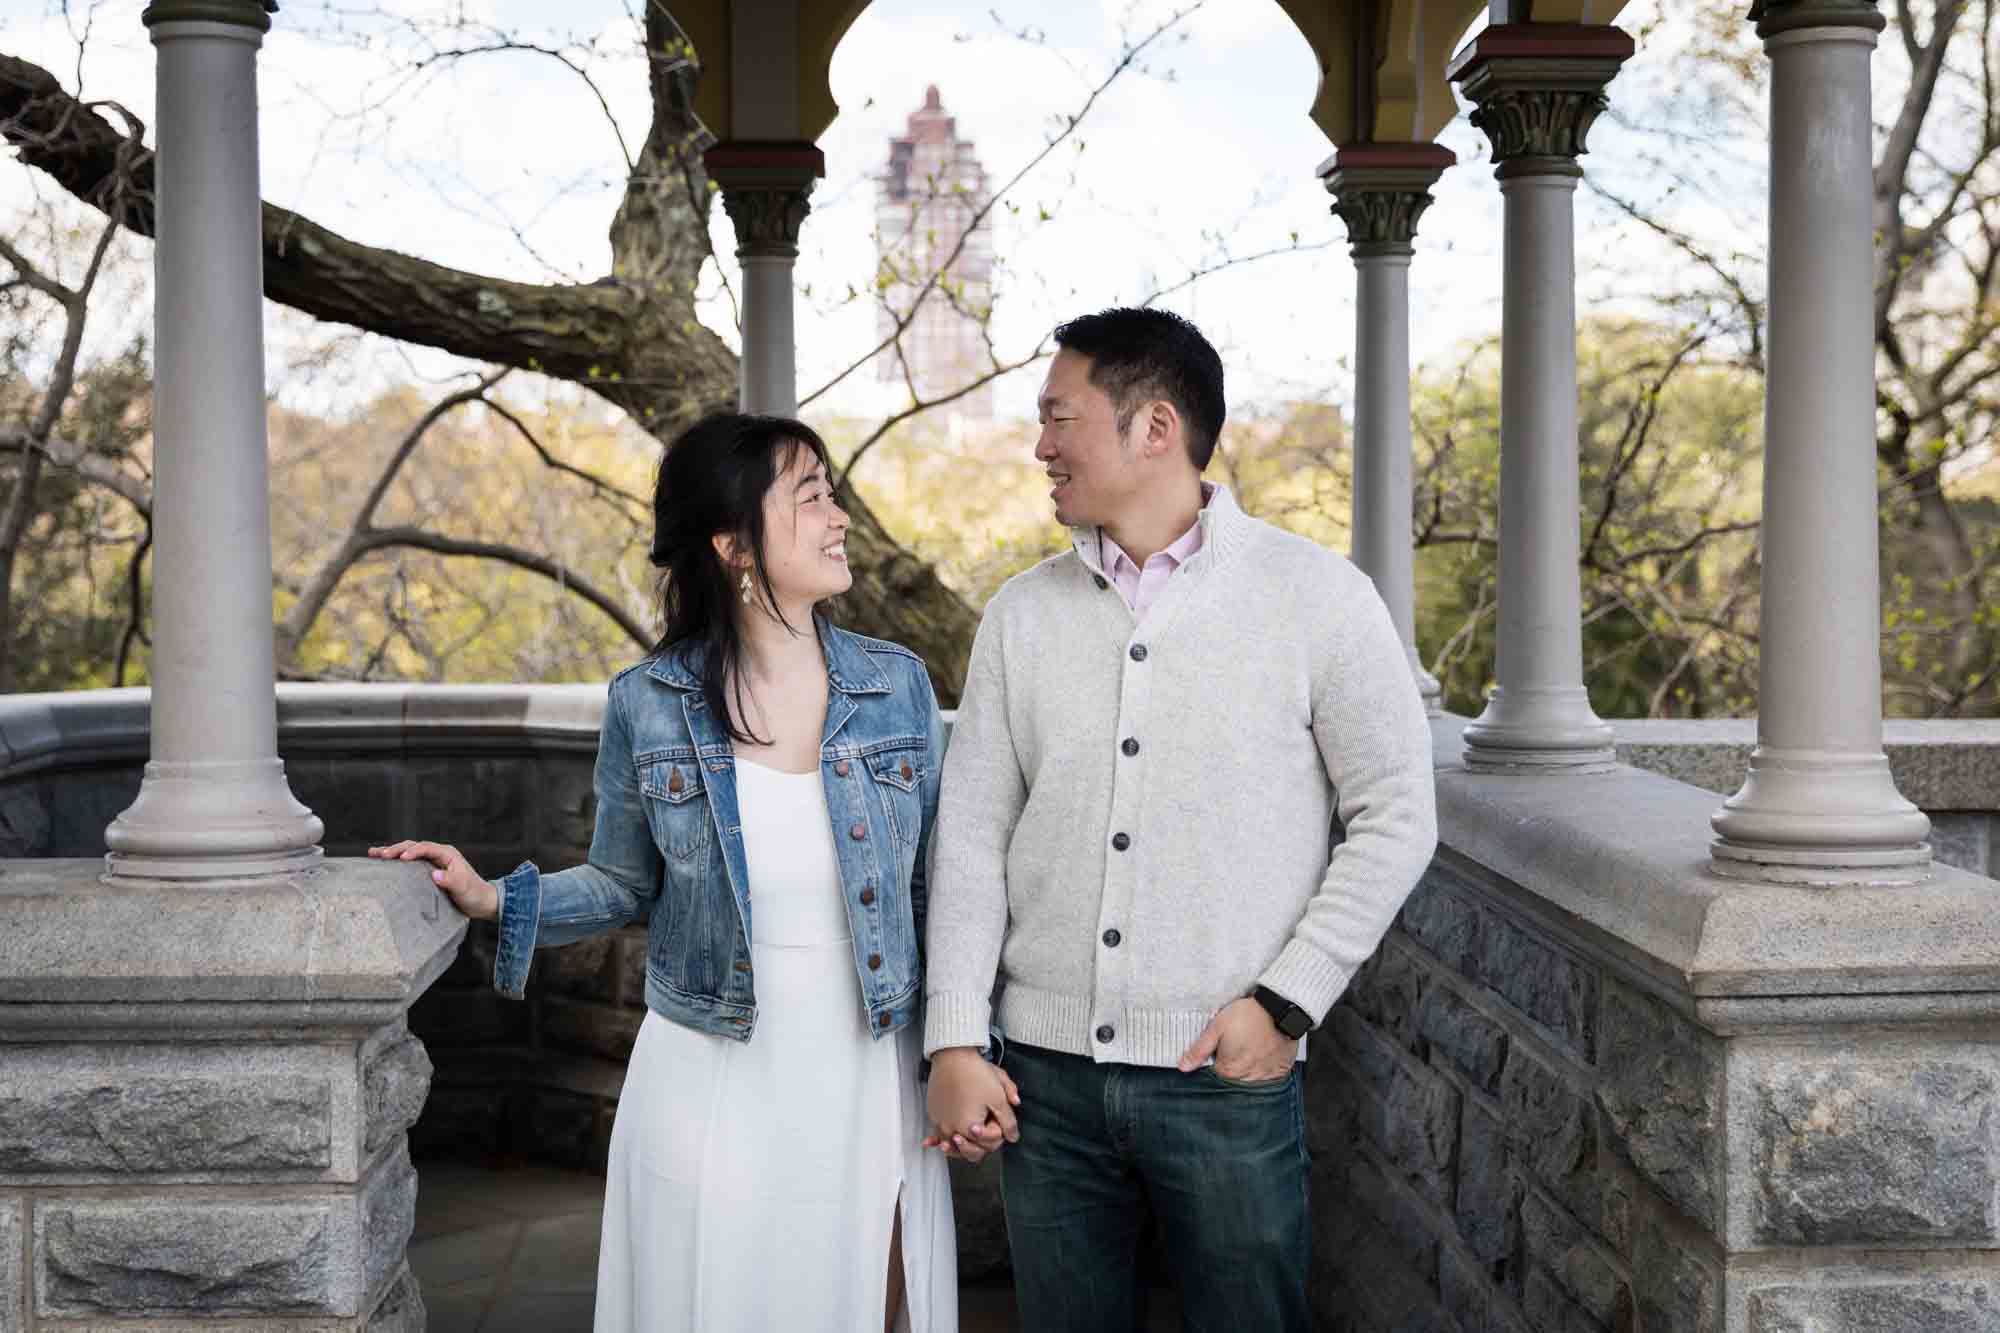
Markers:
point(1306, 977)
point(520, 919)
point(955, 1018)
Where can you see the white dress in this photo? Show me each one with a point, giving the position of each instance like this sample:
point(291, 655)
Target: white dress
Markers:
point(753, 1185)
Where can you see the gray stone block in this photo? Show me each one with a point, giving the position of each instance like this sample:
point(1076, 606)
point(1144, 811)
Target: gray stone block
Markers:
point(1472, 1042)
point(1557, 991)
point(1405, 1227)
point(1489, 1194)
point(1548, 1121)
point(13, 1300)
point(1928, 1305)
point(1445, 923)
point(1676, 1287)
point(394, 1085)
point(1467, 1293)
point(166, 1125)
point(1553, 1241)
point(388, 1216)
point(1963, 840)
point(1549, 1308)
point(216, 1257)
point(401, 1310)
point(1847, 1151)
point(1387, 992)
point(1662, 1093)
point(25, 827)
point(631, 944)
point(1407, 1110)
point(583, 970)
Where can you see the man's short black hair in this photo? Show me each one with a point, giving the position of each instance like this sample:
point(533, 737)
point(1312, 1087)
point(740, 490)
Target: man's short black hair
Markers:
point(1138, 355)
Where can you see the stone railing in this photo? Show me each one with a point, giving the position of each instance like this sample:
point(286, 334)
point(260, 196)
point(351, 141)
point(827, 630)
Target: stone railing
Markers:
point(1587, 1085)
point(1584, 1085)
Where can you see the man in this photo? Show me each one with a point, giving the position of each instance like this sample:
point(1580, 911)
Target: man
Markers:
point(1157, 730)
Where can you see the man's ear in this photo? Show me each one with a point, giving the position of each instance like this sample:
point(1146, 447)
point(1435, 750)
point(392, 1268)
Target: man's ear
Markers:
point(1162, 427)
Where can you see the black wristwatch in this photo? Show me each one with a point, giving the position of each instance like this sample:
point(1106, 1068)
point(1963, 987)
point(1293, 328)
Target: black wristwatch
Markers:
point(1293, 1021)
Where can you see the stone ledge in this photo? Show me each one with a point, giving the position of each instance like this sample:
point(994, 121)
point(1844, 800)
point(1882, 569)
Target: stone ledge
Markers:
point(1942, 765)
point(76, 950)
point(1630, 864)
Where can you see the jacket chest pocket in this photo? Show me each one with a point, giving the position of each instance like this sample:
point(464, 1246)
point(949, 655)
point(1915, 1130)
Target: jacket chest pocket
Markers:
point(896, 777)
point(675, 808)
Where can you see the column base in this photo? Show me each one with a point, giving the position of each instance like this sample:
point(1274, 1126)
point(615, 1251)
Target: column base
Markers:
point(233, 820)
point(1539, 730)
point(1432, 693)
point(1820, 817)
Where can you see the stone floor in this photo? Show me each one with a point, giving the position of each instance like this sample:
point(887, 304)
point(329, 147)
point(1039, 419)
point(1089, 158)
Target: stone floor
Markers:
point(515, 1251)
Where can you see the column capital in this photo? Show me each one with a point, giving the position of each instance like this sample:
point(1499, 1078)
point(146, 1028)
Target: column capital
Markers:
point(1775, 16)
point(1380, 191)
point(247, 13)
point(1537, 89)
point(765, 190)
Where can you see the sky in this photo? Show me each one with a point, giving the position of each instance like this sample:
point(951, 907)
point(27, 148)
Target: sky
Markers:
point(508, 165)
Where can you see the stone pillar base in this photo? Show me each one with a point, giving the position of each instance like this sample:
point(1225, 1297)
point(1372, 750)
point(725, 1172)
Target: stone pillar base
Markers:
point(204, 1096)
point(1539, 730)
point(1810, 817)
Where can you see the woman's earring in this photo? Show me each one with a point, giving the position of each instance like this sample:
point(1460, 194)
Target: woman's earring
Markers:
point(747, 593)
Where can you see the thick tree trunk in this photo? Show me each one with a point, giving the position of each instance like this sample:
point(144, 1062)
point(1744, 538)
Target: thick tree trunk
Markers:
point(631, 337)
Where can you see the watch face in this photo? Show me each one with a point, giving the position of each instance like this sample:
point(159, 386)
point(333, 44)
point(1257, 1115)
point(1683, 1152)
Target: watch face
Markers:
point(1295, 1024)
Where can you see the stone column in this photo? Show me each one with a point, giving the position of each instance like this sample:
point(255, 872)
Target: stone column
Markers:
point(214, 803)
point(1538, 87)
point(764, 190)
point(1819, 805)
point(1380, 190)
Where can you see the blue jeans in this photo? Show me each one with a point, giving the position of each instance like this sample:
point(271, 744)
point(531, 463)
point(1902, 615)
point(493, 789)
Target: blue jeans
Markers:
point(1220, 1165)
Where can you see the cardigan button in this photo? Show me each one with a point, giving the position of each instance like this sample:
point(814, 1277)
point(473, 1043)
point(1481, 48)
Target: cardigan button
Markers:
point(1120, 841)
point(1112, 939)
point(1130, 747)
point(840, 769)
point(1106, 1033)
point(1099, 580)
point(1138, 652)
point(868, 896)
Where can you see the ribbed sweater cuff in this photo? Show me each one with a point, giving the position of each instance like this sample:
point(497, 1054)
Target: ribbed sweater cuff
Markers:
point(1306, 977)
point(955, 1018)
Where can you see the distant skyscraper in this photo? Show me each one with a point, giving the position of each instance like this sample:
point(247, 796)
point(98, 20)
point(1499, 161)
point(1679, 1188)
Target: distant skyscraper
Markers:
point(933, 188)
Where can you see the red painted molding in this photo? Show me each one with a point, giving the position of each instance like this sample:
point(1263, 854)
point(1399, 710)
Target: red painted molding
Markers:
point(1544, 41)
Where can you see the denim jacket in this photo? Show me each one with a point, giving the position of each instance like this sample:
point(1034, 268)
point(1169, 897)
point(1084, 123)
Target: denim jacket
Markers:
point(667, 848)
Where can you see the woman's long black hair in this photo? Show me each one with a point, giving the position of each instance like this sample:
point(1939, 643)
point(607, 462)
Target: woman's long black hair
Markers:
point(713, 480)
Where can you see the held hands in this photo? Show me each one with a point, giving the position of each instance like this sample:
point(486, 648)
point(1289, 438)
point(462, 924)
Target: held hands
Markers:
point(971, 1105)
point(1246, 1044)
point(469, 893)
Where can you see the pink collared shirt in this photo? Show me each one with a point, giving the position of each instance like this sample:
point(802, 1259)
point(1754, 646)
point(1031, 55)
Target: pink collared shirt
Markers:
point(1141, 587)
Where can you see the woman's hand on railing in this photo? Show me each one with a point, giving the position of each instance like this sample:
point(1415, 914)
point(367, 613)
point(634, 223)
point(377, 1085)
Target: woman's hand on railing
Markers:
point(476, 897)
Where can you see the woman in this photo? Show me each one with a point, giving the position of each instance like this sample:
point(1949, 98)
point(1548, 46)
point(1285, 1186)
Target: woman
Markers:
point(765, 788)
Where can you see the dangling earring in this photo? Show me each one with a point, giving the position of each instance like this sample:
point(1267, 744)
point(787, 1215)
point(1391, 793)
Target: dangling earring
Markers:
point(747, 593)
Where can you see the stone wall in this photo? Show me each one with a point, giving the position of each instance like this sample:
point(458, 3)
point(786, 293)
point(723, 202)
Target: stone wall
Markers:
point(1586, 1087)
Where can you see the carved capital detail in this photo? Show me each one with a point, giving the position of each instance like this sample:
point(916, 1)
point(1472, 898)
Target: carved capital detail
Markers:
point(1380, 221)
point(1538, 122)
point(767, 218)
point(1776, 16)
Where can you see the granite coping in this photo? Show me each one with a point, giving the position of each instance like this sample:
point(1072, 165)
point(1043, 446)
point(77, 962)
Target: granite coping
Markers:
point(1944, 764)
point(354, 941)
point(1624, 855)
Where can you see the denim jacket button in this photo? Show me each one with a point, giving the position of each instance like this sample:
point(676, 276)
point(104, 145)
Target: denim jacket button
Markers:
point(675, 783)
point(840, 769)
point(742, 965)
point(874, 962)
point(868, 896)
point(882, 1022)
point(908, 773)
point(858, 832)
